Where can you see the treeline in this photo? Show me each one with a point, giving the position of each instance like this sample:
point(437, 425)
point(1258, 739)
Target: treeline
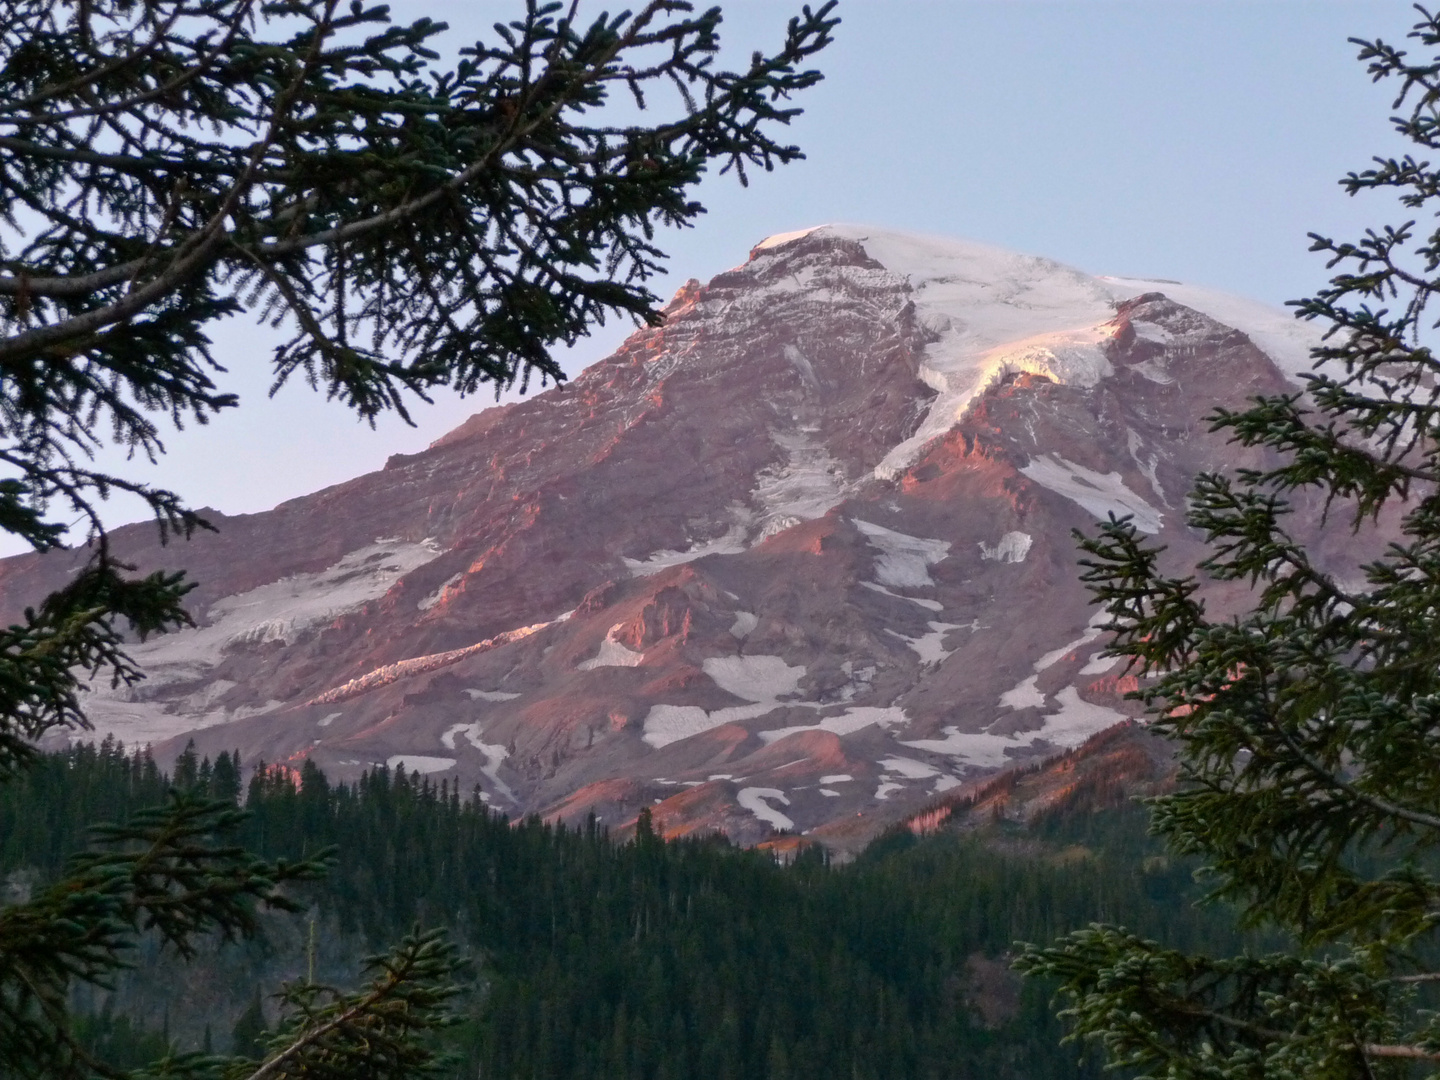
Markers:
point(688, 959)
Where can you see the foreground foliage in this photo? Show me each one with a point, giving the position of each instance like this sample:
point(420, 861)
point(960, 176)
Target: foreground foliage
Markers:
point(168, 164)
point(1309, 724)
point(651, 960)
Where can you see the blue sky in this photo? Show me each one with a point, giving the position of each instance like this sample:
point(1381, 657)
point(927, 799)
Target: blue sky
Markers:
point(1195, 141)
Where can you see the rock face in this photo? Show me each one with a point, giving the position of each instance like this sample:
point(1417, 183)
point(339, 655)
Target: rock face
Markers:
point(800, 555)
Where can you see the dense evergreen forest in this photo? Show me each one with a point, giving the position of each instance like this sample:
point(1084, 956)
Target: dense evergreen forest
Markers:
point(652, 960)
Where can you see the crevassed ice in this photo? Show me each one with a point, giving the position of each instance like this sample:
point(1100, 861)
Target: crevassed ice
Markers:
point(806, 486)
point(992, 311)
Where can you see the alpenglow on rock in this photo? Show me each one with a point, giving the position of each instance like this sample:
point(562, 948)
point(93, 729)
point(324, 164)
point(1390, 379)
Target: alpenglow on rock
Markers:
point(800, 558)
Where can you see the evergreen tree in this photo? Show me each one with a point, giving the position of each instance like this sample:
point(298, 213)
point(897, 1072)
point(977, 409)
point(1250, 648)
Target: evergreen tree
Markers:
point(167, 164)
point(1309, 724)
point(249, 1036)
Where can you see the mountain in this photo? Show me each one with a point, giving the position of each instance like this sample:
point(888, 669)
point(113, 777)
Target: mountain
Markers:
point(798, 559)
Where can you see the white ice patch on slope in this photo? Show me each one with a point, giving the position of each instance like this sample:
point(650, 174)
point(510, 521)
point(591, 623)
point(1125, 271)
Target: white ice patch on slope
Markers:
point(282, 610)
point(1012, 548)
point(755, 799)
point(758, 679)
point(612, 654)
point(904, 560)
point(1098, 493)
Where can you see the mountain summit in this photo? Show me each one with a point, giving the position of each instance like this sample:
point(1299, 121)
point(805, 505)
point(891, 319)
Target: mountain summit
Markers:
point(798, 559)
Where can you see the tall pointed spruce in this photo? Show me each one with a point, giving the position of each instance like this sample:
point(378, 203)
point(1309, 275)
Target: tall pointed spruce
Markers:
point(1309, 725)
point(170, 163)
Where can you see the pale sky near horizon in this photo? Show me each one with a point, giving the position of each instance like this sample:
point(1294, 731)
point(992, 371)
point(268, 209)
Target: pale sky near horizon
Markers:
point(1165, 138)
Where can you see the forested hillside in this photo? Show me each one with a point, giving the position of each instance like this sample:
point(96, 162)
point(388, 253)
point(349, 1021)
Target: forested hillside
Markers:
point(644, 959)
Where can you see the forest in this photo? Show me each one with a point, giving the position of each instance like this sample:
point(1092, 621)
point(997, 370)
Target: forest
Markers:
point(646, 959)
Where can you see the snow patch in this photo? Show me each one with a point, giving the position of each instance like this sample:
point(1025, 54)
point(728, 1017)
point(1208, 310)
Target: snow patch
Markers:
point(494, 755)
point(904, 560)
point(758, 679)
point(425, 603)
point(886, 787)
point(1099, 664)
point(489, 695)
point(732, 543)
point(854, 719)
point(928, 605)
point(1012, 548)
point(945, 783)
point(612, 653)
point(1074, 722)
point(931, 646)
point(836, 778)
point(419, 763)
point(909, 768)
point(285, 610)
point(744, 624)
point(1024, 695)
point(1027, 694)
point(1077, 719)
point(755, 799)
point(1098, 493)
point(328, 719)
point(754, 678)
point(978, 748)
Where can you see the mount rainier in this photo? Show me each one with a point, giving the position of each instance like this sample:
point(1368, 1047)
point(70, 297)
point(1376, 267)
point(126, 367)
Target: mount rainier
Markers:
point(799, 559)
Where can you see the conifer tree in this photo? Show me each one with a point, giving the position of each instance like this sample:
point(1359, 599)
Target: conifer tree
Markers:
point(1308, 726)
point(166, 164)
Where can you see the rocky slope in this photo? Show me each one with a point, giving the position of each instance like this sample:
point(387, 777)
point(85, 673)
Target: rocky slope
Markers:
point(799, 559)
